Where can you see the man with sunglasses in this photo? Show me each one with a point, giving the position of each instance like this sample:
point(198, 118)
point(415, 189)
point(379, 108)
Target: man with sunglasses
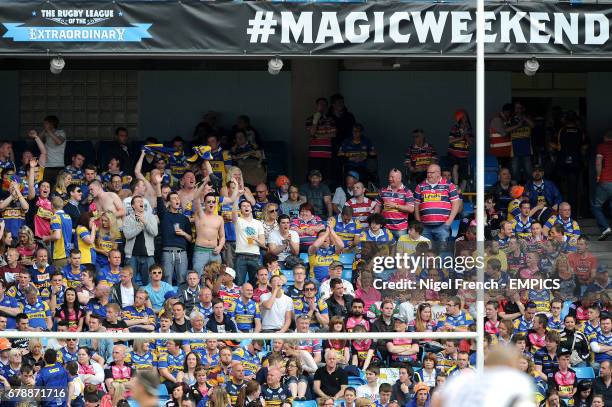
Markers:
point(74, 208)
point(210, 231)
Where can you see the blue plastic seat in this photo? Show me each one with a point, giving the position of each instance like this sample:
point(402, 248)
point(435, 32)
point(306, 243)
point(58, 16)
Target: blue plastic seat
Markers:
point(355, 381)
point(304, 258)
point(468, 208)
point(288, 275)
point(584, 373)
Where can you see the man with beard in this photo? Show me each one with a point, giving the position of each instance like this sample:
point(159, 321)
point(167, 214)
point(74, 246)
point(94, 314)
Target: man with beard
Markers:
point(543, 195)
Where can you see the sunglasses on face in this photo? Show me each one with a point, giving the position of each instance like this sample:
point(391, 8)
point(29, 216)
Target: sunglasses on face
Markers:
point(156, 272)
point(272, 210)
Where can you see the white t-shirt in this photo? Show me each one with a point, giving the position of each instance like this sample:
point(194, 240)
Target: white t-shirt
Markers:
point(340, 198)
point(366, 391)
point(248, 229)
point(274, 318)
point(55, 153)
point(277, 239)
point(489, 389)
point(127, 296)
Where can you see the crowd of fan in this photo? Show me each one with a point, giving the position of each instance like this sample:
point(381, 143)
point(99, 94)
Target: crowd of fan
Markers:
point(166, 242)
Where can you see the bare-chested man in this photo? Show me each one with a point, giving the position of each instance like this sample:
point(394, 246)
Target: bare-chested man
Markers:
point(149, 186)
point(210, 231)
point(106, 201)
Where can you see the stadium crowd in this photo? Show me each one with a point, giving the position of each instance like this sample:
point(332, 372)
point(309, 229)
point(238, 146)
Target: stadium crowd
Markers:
point(172, 238)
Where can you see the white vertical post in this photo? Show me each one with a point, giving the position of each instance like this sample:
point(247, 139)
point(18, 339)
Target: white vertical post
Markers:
point(480, 171)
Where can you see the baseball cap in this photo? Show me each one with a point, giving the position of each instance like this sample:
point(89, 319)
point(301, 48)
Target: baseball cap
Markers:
point(315, 173)
point(335, 264)
point(5, 344)
point(564, 351)
point(353, 174)
point(421, 386)
point(602, 268)
point(170, 294)
point(517, 191)
point(400, 318)
point(230, 271)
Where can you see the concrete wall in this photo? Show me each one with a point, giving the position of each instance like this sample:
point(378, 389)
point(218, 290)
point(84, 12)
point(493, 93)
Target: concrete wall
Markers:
point(599, 113)
point(172, 102)
point(391, 104)
point(9, 104)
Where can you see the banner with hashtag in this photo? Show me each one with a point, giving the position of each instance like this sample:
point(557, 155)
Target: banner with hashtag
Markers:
point(195, 28)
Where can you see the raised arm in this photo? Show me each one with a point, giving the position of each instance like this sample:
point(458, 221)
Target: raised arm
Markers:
point(42, 157)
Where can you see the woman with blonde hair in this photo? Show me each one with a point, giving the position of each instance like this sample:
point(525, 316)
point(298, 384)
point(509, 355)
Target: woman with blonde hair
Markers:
point(61, 184)
point(116, 392)
point(106, 238)
point(219, 398)
point(235, 177)
point(34, 357)
point(423, 321)
point(140, 356)
point(294, 379)
point(26, 246)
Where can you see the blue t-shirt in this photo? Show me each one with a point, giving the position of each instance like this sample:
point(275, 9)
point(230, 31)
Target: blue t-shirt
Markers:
point(53, 376)
point(157, 297)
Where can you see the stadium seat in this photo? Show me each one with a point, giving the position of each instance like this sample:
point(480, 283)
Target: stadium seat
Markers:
point(468, 208)
point(304, 258)
point(245, 342)
point(584, 373)
point(288, 275)
point(565, 309)
point(347, 259)
point(306, 403)
point(355, 381)
point(162, 390)
point(347, 274)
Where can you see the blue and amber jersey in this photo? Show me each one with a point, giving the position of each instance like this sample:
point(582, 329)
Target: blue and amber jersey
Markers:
point(132, 312)
point(445, 362)
point(125, 178)
point(14, 218)
point(78, 175)
point(72, 279)
point(37, 314)
point(148, 360)
point(346, 231)
point(541, 298)
point(18, 294)
point(64, 356)
point(105, 243)
point(514, 209)
point(41, 278)
point(275, 397)
point(553, 325)
point(210, 359)
point(197, 345)
point(384, 236)
point(250, 362)
point(258, 210)
point(109, 277)
point(570, 226)
point(158, 346)
point(522, 325)
point(301, 307)
point(244, 315)
point(96, 308)
point(522, 228)
point(174, 364)
point(591, 331)
point(602, 339)
point(228, 225)
point(206, 311)
point(233, 389)
point(178, 164)
point(464, 319)
point(61, 248)
point(320, 261)
point(10, 302)
point(88, 254)
point(220, 163)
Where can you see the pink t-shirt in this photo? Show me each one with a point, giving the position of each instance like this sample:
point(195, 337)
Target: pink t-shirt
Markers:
point(42, 218)
point(369, 297)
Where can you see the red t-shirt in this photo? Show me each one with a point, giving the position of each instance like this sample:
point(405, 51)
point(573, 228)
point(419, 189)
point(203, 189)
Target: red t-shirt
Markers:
point(605, 149)
point(582, 265)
